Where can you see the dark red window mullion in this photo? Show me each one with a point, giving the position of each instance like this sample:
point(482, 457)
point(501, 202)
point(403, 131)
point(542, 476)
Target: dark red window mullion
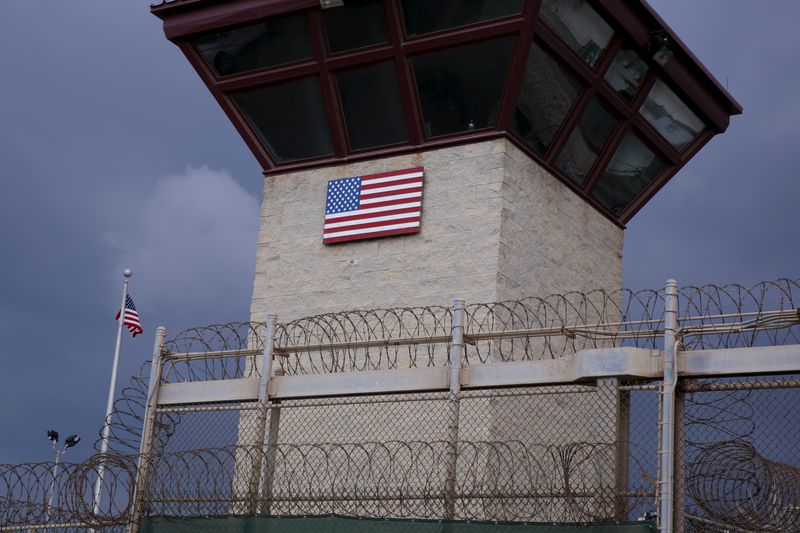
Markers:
point(595, 79)
point(668, 152)
point(327, 81)
point(239, 121)
point(405, 77)
point(608, 55)
point(466, 35)
point(605, 156)
point(647, 83)
point(268, 77)
point(360, 57)
point(516, 67)
point(555, 46)
point(662, 180)
point(641, 199)
point(570, 121)
point(570, 184)
point(615, 102)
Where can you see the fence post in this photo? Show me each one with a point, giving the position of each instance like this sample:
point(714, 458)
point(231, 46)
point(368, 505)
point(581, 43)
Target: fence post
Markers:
point(621, 400)
point(679, 489)
point(263, 399)
point(271, 452)
point(146, 444)
point(665, 471)
point(456, 353)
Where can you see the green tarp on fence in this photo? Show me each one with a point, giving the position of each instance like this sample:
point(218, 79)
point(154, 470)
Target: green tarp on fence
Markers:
point(341, 524)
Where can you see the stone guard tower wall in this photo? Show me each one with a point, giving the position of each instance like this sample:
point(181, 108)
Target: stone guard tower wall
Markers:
point(495, 226)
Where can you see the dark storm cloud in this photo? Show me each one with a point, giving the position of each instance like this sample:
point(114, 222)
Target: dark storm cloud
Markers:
point(99, 118)
point(104, 131)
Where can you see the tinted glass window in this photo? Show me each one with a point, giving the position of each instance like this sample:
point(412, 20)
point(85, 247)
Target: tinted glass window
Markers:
point(673, 119)
point(289, 118)
point(626, 73)
point(460, 88)
point(424, 16)
point(578, 25)
point(631, 169)
point(355, 25)
point(372, 106)
point(268, 43)
point(586, 142)
point(548, 92)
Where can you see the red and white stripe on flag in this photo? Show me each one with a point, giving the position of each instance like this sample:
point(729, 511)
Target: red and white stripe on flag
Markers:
point(131, 318)
point(376, 205)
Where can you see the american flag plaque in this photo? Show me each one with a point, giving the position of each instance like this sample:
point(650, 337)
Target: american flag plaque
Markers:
point(377, 205)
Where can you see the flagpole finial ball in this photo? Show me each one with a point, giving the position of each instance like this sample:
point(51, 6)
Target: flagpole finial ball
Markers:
point(127, 273)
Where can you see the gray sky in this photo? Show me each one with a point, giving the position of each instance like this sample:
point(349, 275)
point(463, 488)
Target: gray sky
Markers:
point(114, 154)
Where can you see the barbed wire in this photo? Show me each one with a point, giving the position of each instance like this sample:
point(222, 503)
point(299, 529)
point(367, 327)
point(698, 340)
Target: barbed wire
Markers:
point(737, 486)
point(26, 489)
point(511, 481)
point(528, 329)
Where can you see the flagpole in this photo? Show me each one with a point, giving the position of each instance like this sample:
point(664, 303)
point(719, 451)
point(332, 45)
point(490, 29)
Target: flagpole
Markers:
point(98, 486)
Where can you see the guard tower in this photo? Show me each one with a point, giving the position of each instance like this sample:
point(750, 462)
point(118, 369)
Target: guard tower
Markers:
point(414, 150)
point(540, 128)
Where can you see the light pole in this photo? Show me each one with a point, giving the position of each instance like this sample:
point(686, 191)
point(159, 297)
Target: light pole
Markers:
point(69, 442)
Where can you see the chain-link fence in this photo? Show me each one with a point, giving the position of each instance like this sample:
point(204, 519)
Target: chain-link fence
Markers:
point(514, 413)
point(740, 464)
point(389, 456)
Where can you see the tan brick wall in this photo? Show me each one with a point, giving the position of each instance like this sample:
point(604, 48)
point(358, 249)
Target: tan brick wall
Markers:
point(551, 240)
point(495, 226)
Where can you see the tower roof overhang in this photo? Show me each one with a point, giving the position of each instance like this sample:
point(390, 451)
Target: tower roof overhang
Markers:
point(602, 93)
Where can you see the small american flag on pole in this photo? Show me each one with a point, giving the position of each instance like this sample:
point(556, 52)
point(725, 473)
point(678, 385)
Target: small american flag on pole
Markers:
point(376, 205)
point(131, 320)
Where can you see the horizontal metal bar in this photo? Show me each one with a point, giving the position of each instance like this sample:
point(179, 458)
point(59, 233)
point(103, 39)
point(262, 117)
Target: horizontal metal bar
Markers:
point(765, 314)
point(652, 387)
point(694, 386)
point(376, 381)
point(225, 390)
point(366, 498)
point(586, 364)
point(361, 400)
point(767, 320)
point(34, 527)
point(436, 339)
point(738, 361)
point(571, 332)
point(212, 354)
point(720, 525)
point(249, 406)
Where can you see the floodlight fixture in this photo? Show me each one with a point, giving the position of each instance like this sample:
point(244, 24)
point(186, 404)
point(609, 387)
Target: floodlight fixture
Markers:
point(69, 442)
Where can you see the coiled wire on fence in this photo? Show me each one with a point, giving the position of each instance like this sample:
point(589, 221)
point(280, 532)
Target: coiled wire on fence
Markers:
point(41, 493)
point(496, 481)
point(737, 486)
point(527, 329)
